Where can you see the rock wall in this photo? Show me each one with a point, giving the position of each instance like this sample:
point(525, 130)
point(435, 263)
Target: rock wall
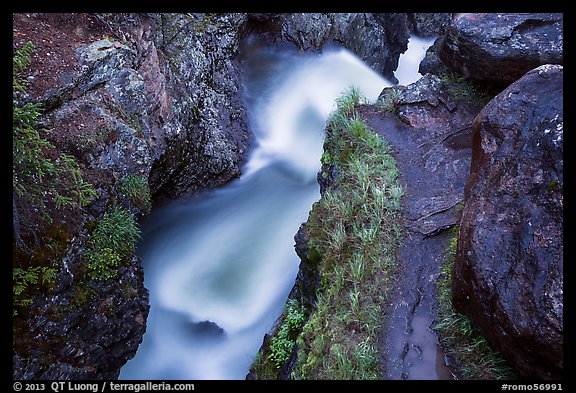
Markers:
point(378, 39)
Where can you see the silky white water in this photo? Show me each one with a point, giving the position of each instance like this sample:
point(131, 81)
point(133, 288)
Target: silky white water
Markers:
point(409, 61)
point(220, 266)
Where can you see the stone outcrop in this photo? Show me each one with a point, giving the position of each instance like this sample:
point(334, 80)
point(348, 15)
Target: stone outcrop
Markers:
point(198, 129)
point(508, 274)
point(501, 47)
point(429, 130)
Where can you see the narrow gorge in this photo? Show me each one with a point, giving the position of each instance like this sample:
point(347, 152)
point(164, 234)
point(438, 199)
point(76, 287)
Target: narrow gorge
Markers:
point(287, 196)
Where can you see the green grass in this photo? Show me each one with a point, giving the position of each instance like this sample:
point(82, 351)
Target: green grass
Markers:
point(474, 356)
point(136, 188)
point(464, 89)
point(355, 232)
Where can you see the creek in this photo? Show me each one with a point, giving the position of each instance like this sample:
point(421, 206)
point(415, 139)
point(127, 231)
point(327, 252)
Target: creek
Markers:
point(220, 265)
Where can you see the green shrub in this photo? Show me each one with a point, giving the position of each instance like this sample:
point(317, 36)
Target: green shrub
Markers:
point(282, 343)
point(137, 190)
point(111, 242)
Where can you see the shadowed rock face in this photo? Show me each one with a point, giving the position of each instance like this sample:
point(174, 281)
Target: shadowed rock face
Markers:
point(501, 47)
point(508, 274)
point(377, 38)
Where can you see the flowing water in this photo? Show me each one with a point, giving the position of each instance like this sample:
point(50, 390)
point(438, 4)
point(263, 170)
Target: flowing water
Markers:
point(219, 266)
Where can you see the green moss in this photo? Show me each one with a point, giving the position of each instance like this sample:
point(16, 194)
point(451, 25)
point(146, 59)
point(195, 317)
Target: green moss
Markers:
point(388, 101)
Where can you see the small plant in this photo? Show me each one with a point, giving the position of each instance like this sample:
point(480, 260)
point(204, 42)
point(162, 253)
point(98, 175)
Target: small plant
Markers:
point(23, 280)
point(111, 242)
point(326, 158)
point(20, 61)
point(39, 179)
point(137, 190)
point(283, 342)
point(464, 89)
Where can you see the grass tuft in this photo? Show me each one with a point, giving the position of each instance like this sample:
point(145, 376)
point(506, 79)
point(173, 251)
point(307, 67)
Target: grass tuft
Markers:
point(111, 243)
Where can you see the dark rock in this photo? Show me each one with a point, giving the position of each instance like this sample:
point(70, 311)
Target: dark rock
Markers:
point(508, 274)
point(429, 24)
point(429, 129)
point(378, 39)
point(262, 16)
point(307, 280)
point(502, 47)
point(431, 64)
point(208, 329)
point(92, 338)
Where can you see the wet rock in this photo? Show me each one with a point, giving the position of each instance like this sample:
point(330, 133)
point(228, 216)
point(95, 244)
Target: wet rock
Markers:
point(501, 47)
point(207, 133)
point(430, 135)
point(429, 24)
point(93, 331)
point(378, 39)
point(431, 64)
point(508, 274)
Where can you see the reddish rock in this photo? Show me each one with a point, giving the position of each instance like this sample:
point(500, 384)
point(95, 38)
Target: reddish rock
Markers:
point(501, 47)
point(508, 274)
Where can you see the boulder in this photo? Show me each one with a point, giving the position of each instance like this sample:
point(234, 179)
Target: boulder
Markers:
point(508, 272)
point(501, 47)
